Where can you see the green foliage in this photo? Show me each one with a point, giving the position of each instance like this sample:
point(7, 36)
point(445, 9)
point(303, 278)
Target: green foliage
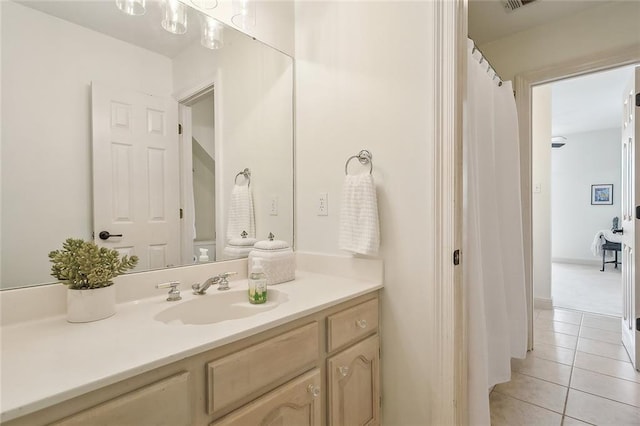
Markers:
point(83, 265)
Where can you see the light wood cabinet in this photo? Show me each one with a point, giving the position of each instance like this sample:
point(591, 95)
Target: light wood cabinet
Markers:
point(317, 370)
point(297, 403)
point(235, 376)
point(354, 384)
point(147, 405)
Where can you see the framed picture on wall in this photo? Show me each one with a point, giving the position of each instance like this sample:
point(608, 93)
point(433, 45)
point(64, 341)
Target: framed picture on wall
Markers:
point(602, 194)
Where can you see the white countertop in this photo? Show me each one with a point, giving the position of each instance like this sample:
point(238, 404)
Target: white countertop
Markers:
point(48, 361)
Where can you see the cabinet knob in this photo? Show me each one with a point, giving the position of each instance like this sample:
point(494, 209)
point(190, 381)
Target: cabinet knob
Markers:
point(362, 323)
point(313, 390)
point(343, 370)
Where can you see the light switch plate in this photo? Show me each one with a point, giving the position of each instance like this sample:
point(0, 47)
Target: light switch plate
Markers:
point(323, 204)
point(273, 205)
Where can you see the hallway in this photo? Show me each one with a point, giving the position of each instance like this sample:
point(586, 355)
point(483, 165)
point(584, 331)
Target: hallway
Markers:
point(578, 373)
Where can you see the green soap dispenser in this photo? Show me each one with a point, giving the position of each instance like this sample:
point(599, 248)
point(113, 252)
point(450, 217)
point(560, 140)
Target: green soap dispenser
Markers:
point(257, 283)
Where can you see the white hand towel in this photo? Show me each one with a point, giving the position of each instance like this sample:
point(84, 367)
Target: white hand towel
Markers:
point(359, 227)
point(241, 217)
point(596, 245)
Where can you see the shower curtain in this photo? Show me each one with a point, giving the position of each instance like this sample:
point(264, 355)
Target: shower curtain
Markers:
point(493, 243)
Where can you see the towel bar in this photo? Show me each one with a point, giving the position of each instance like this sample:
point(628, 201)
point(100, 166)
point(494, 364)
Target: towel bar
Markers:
point(364, 157)
point(247, 175)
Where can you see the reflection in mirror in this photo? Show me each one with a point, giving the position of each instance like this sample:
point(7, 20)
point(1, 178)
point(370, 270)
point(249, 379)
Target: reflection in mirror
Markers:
point(91, 100)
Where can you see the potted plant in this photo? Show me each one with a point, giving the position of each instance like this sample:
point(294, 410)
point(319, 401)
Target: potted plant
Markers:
point(88, 271)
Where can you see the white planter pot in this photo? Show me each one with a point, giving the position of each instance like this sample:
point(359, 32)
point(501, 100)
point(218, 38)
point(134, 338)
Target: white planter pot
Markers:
point(91, 305)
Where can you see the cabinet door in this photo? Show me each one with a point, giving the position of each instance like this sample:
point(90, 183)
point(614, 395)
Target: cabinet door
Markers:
point(296, 403)
point(164, 403)
point(354, 385)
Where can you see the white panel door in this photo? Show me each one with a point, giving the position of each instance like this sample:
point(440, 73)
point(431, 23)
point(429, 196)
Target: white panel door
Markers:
point(630, 214)
point(136, 182)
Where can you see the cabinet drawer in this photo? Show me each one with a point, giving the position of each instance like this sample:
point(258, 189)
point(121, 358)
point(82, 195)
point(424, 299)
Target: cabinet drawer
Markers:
point(295, 403)
point(352, 324)
point(167, 402)
point(239, 375)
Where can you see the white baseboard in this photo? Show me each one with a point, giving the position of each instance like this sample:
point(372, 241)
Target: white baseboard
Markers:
point(587, 262)
point(542, 303)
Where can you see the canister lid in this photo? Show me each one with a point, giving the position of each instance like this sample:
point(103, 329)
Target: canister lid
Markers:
point(242, 241)
point(271, 244)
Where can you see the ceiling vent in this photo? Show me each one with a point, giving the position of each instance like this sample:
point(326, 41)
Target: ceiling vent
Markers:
point(511, 5)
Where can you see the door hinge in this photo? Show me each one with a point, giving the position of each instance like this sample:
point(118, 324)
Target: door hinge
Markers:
point(637, 324)
point(181, 213)
point(638, 99)
point(456, 257)
point(179, 128)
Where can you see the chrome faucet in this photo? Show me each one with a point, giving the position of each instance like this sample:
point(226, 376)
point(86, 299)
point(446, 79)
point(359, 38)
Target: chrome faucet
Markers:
point(221, 280)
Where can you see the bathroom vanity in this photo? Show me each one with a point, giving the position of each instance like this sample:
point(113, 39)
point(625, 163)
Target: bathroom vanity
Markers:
point(309, 356)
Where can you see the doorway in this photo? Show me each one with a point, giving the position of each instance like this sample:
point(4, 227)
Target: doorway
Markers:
point(198, 177)
point(576, 174)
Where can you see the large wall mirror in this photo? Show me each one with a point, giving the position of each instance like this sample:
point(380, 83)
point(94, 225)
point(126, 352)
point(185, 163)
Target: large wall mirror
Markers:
point(91, 102)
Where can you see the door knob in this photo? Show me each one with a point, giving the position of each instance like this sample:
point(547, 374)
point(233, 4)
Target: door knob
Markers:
point(105, 235)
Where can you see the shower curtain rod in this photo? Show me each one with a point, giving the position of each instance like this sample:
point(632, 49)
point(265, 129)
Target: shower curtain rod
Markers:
point(484, 59)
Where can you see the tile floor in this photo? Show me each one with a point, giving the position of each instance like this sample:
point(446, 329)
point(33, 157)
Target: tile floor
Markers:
point(578, 374)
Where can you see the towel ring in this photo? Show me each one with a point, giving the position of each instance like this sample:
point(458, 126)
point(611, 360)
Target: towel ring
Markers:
point(364, 157)
point(247, 175)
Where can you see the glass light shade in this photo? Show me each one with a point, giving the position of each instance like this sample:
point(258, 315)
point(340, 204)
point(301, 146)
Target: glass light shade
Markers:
point(175, 17)
point(205, 4)
point(211, 34)
point(132, 7)
point(244, 13)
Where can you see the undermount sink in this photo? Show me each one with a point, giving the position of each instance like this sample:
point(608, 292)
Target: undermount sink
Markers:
point(217, 307)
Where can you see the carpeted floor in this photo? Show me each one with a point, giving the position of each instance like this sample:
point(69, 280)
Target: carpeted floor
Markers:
point(585, 288)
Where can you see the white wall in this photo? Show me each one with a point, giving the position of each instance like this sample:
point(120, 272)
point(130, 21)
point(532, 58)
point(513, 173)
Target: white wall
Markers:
point(46, 130)
point(586, 159)
point(613, 25)
point(202, 114)
point(363, 73)
point(541, 201)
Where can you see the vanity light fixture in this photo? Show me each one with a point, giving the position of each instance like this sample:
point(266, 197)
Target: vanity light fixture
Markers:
point(175, 17)
point(244, 13)
point(205, 4)
point(211, 33)
point(132, 7)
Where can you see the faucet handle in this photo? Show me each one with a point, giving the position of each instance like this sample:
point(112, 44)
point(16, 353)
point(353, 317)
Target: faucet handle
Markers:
point(223, 284)
point(226, 275)
point(174, 292)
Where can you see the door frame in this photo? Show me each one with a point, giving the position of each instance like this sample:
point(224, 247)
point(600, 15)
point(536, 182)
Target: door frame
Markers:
point(448, 318)
point(524, 84)
point(186, 97)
